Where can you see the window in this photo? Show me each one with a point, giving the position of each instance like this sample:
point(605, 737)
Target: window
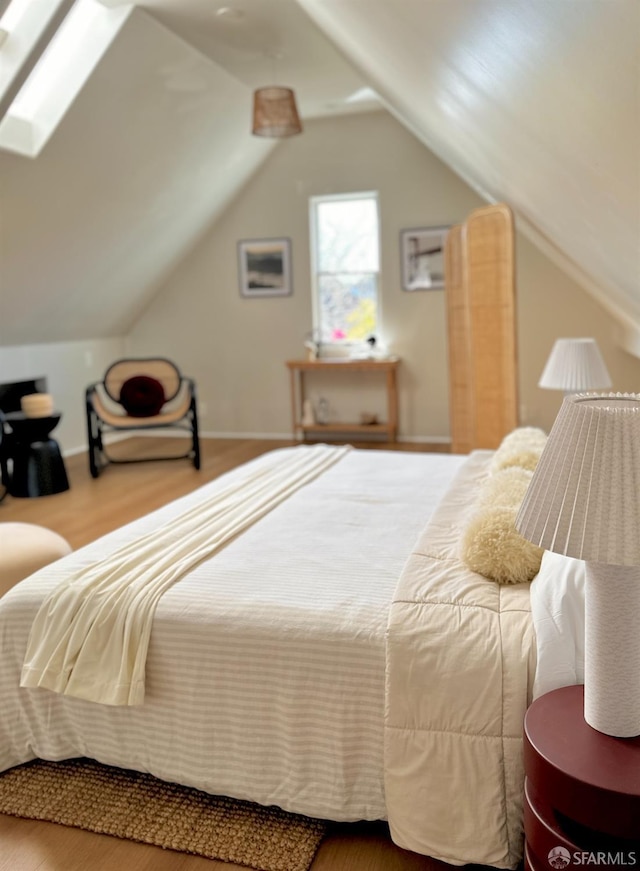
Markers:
point(346, 266)
point(55, 46)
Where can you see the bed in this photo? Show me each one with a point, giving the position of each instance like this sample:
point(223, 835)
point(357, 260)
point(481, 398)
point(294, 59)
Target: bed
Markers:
point(335, 659)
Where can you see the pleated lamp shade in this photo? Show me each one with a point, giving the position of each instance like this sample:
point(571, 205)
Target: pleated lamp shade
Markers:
point(275, 113)
point(575, 365)
point(584, 498)
point(584, 501)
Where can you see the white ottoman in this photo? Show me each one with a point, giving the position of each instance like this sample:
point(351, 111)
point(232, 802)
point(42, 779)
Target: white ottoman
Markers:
point(25, 548)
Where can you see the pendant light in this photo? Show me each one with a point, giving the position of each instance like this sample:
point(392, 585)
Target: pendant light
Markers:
point(275, 113)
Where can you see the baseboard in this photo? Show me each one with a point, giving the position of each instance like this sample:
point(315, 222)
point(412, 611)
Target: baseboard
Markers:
point(108, 440)
point(259, 436)
point(263, 436)
point(425, 440)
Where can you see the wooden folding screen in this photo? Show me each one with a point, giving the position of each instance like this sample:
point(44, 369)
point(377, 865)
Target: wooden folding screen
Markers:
point(480, 282)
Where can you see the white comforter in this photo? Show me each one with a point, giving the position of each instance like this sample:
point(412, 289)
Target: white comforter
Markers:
point(460, 669)
point(91, 634)
point(265, 675)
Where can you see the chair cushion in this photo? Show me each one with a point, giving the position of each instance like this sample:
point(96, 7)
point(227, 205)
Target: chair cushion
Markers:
point(142, 396)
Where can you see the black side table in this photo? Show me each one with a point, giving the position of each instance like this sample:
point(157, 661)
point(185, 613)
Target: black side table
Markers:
point(37, 465)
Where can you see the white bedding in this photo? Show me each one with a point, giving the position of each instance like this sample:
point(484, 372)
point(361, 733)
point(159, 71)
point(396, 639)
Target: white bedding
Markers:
point(460, 666)
point(266, 667)
point(557, 608)
point(91, 634)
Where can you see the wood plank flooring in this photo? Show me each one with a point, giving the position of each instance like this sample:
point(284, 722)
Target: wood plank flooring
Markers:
point(91, 508)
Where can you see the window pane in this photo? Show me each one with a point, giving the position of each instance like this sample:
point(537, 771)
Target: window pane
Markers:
point(348, 235)
point(347, 306)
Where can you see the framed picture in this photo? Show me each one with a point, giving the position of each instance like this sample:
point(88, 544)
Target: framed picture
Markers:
point(265, 267)
point(422, 252)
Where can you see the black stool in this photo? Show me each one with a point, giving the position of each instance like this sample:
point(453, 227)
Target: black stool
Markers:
point(37, 465)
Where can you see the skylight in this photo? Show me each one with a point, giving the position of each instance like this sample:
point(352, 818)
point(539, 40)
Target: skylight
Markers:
point(61, 71)
point(23, 24)
point(362, 95)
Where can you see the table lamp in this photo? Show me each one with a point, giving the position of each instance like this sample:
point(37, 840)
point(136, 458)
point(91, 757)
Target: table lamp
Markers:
point(584, 501)
point(575, 365)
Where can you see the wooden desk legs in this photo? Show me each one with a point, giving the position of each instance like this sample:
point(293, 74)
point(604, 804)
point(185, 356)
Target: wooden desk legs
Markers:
point(392, 405)
point(301, 430)
point(296, 402)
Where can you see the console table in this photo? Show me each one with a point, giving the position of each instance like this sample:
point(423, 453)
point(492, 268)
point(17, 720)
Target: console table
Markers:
point(582, 788)
point(338, 366)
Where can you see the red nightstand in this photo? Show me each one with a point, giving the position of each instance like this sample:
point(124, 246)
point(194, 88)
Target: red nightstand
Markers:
point(582, 789)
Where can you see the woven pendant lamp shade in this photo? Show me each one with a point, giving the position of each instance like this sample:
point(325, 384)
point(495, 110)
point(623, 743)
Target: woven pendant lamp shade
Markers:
point(275, 113)
point(575, 365)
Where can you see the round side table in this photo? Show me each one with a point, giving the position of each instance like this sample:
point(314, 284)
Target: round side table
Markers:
point(37, 465)
point(582, 788)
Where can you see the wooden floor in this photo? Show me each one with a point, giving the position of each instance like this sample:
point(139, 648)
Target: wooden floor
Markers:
point(91, 508)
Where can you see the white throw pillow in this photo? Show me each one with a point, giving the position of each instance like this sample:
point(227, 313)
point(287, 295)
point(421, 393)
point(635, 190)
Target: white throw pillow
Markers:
point(557, 607)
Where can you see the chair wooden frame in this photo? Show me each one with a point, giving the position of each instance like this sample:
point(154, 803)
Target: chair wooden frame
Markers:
point(106, 414)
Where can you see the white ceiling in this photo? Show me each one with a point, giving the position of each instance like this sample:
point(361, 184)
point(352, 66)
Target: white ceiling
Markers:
point(261, 41)
point(534, 103)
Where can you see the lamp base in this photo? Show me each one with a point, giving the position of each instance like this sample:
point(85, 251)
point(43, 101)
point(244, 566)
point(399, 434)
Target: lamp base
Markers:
point(612, 649)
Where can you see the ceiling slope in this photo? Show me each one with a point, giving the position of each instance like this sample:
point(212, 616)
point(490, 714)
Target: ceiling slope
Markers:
point(261, 42)
point(151, 151)
point(536, 104)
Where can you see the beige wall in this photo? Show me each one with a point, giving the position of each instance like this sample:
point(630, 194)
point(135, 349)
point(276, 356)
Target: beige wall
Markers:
point(236, 348)
point(69, 368)
point(551, 305)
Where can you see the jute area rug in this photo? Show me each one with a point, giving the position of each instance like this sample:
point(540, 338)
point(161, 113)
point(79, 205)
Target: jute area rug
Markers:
point(138, 807)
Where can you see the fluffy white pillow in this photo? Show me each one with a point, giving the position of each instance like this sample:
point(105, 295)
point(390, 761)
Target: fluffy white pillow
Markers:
point(490, 543)
point(505, 488)
point(493, 547)
point(530, 436)
point(521, 447)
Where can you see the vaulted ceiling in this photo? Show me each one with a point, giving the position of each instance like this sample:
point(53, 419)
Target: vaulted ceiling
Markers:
point(536, 104)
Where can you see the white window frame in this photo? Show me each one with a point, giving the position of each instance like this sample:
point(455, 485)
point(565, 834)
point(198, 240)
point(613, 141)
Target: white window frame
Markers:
point(313, 226)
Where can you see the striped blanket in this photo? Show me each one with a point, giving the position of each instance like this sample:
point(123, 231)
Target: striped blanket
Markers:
point(91, 635)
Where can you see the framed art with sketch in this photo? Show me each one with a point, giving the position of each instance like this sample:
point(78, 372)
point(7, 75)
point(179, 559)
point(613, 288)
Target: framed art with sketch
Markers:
point(264, 267)
point(422, 252)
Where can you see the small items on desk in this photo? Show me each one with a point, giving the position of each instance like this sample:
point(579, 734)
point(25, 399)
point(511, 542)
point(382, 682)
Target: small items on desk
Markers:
point(322, 414)
point(308, 416)
point(386, 367)
point(368, 419)
point(312, 343)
